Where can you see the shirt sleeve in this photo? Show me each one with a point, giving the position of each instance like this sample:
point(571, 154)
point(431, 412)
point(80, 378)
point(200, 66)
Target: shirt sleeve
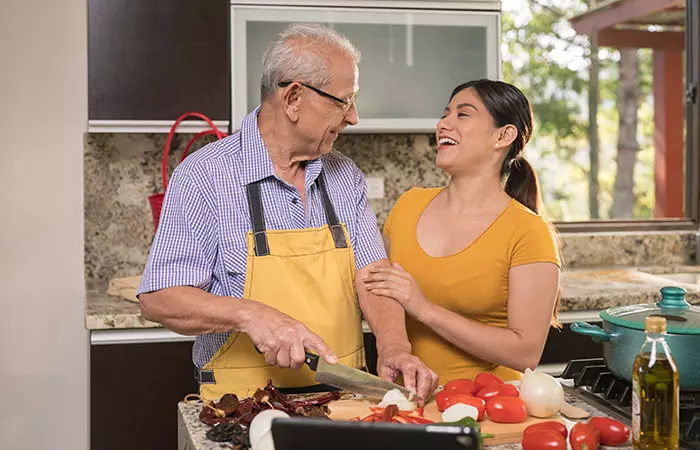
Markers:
point(368, 245)
point(538, 243)
point(184, 248)
point(388, 222)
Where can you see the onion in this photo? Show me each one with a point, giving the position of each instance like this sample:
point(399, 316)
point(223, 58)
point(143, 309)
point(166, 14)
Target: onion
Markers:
point(542, 394)
point(265, 442)
point(261, 424)
point(395, 397)
point(459, 411)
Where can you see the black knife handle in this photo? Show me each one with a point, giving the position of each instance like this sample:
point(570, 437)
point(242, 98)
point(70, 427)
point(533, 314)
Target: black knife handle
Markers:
point(310, 359)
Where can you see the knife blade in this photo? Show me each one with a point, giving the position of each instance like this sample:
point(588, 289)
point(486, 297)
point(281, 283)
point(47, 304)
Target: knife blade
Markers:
point(350, 379)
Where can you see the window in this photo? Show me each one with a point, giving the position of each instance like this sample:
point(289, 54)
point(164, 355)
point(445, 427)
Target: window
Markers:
point(633, 65)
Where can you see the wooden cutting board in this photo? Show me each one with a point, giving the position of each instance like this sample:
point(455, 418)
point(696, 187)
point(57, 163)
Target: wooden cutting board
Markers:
point(503, 433)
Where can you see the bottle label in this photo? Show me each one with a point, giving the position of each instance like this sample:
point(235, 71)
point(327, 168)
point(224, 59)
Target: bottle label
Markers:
point(636, 409)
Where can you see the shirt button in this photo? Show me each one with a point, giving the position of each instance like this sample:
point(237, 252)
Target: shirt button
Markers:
point(295, 201)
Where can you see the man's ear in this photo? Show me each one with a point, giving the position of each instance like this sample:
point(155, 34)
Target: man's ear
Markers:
point(291, 101)
point(507, 135)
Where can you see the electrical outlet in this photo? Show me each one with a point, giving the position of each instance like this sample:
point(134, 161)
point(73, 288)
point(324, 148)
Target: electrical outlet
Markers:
point(375, 187)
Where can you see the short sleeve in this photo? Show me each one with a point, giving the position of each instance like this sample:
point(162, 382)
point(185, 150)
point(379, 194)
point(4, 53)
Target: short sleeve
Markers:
point(368, 245)
point(387, 223)
point(538, 243)
point(184, 248)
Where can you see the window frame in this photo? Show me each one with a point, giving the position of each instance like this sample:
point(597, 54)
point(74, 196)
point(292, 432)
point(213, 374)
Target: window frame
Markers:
point(692, 147)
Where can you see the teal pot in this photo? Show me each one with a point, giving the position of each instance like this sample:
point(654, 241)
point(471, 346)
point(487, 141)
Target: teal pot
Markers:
point(623, 335)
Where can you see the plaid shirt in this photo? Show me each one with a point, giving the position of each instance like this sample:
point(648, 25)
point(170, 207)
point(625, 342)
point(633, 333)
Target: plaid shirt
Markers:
point(201, 238)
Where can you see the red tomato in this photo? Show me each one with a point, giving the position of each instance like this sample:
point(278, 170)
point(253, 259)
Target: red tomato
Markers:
point(496, 390)
point(446, 399)
point(550, 425)
point(544, 440)
point(611, 431)
point(506, 409)
point(584, 436)
point(483, 379)
point(465, 386)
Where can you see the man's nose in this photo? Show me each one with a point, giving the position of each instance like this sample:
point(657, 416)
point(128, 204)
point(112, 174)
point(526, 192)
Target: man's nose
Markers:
point(352, 116)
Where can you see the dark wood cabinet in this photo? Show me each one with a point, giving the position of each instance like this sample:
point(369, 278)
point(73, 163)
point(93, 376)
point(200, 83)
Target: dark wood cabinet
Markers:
point(156, 59)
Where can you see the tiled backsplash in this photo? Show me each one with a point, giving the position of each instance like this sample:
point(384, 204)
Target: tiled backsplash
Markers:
point(122, 170)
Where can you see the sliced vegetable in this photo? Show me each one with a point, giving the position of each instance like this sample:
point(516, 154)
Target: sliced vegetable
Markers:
point(446, 399)
point(496, 390)
point(395, 397)
point(611, 431)
point(462, 385)
point(542, 394)
point(484, 379)
point(506, 409)
point(392, 414)
point(459, 411)
point(550, 425)
point(544, 440)
point(584, 436)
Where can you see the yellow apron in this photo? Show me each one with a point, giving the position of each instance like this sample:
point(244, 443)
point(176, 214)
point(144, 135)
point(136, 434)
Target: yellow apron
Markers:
point(308, 274)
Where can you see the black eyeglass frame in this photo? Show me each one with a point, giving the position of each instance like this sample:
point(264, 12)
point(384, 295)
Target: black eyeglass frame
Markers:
point(347, 104)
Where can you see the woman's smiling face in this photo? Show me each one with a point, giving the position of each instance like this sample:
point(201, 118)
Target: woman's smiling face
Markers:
point(467, 136)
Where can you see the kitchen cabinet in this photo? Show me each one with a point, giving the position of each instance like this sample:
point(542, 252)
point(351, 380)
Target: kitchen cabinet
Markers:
point(153, 60)
point(412, 57)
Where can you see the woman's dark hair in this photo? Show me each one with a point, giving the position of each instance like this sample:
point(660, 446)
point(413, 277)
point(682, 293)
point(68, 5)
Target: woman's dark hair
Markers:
point(508, 105)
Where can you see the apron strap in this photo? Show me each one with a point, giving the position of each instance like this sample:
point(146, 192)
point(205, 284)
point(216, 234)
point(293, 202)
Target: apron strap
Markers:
point(257, 215)
point(255, 206)
point(331, 217)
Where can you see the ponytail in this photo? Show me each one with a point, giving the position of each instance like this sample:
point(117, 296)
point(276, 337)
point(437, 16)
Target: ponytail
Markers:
point(522, 183)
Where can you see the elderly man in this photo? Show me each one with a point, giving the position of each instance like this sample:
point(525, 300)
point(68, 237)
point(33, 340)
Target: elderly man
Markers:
point(264, 236)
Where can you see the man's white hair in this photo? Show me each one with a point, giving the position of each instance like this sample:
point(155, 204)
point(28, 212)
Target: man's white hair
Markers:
point(299, 53)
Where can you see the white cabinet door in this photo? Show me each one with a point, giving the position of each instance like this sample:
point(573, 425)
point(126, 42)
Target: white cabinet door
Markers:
point(412, 59)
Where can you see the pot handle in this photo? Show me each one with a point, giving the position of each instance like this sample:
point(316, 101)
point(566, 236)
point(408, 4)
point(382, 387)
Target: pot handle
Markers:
point(594, 331)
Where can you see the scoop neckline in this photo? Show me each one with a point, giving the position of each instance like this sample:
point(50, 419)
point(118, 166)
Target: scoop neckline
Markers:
point(471, 244)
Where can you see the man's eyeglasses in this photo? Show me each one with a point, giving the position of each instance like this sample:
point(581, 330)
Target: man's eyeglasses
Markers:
point(345, 104)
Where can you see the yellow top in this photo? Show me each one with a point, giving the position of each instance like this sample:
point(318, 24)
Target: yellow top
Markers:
point(473, 282)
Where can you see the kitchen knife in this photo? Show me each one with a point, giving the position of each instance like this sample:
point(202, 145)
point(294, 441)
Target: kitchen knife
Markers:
point(351, 380)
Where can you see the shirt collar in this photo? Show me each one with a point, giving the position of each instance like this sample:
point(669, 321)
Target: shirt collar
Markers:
point(257, 163)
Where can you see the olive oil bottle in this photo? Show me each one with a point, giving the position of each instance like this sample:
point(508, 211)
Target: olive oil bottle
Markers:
point(655, 391)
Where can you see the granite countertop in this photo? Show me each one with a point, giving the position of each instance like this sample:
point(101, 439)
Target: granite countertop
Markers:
point(192, 432)
point(583, 290)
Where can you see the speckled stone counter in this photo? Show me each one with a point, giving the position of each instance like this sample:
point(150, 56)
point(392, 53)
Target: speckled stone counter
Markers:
point(583, 290)
point(192, 432)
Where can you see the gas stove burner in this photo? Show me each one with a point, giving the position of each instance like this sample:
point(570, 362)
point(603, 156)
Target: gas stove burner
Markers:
point(594, 383)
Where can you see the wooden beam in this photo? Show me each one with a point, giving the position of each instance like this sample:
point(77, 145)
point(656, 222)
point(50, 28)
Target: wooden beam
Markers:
point(658, 40)
point(618, 12)
point(668, 92)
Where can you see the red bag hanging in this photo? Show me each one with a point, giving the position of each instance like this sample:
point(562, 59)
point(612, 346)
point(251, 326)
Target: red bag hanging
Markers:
point(156, 200)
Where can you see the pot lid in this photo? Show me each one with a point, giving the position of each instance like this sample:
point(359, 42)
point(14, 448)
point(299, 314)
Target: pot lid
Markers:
point(681, 317)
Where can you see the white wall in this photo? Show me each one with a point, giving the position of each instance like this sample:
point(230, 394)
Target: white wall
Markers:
point(43, 114)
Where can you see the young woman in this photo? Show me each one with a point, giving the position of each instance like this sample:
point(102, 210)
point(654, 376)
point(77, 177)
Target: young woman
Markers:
point(475, 266)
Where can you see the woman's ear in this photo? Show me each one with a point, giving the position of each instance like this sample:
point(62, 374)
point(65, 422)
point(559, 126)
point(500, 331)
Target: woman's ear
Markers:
point(291, 101)
point(506, 136)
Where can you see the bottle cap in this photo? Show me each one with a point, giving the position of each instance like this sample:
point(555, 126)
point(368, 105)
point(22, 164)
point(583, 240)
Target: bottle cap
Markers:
point(655, 324)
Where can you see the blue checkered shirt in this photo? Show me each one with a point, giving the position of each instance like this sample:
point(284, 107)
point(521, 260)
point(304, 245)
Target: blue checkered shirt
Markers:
point(201, 238)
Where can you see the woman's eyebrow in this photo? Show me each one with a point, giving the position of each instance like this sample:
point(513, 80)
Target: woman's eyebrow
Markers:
point(467, 105)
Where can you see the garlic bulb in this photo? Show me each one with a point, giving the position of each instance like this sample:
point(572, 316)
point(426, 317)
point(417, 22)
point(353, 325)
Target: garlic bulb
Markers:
point(542, 394)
